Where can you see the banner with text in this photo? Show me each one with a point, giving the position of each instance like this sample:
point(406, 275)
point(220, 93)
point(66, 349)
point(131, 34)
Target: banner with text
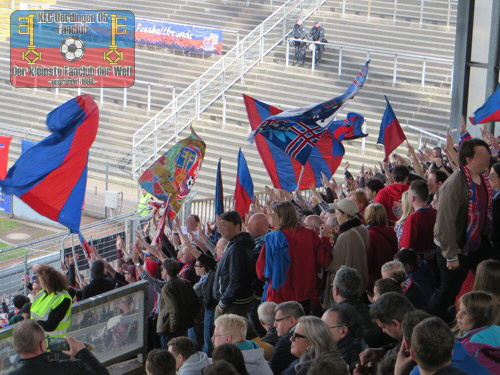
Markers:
point(61, 48)
point(181, 37)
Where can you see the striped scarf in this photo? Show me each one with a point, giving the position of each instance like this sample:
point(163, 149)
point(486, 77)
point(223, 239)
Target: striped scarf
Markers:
point(473, 234)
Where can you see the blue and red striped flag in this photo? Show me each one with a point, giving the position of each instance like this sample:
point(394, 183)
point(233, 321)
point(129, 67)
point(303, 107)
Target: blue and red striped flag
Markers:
point(489, 111)
point(243, 191)
point(51, 177)
point(219, 191)
point(391, 134)
point(296, 131)
point(325, 157)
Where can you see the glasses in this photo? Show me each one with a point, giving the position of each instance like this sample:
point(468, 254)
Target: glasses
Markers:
point(280, 319)
point(197, 265)
point(335, 326)
point(296, 336)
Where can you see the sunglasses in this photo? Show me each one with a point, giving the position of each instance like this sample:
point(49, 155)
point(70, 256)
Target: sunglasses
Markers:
point(296, 336)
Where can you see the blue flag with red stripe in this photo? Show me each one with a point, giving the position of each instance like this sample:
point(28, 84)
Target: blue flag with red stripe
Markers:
point(391, 134)
point(489, 111)
point(219, 192)
point(51, 177)
point(325, 157)
point(296, 131)
point(243, 191)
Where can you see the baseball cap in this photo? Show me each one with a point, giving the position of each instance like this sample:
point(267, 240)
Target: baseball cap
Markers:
point(345, 205)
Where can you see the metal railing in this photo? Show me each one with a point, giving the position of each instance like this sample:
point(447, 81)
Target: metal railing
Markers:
point(18, 260)
point(114, 323)
point(396, 56)
point(165, 126)
point(416, 10)
point(440, 141)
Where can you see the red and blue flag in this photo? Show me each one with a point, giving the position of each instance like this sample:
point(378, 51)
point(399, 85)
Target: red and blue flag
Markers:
point(243, 191)
point(51, 177)
point(489, 111)
point(297, 131)
point(325, 157)
point(391, 134)
point(219, 191)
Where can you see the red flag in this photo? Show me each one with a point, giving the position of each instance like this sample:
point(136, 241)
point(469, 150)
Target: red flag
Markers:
point(4, 156)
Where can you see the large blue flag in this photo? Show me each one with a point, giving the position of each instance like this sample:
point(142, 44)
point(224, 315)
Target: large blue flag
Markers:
point(297, 131)
point(325, 157)
point(51, 176)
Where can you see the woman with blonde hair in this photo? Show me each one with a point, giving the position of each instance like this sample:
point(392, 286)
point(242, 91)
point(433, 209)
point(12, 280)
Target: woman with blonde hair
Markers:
point(407, 210)
point(383, 241)
point(477, 325)
point(290, 258)
point(311, 338)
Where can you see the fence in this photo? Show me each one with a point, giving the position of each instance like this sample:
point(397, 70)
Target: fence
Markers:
point(114, 323)
point(403, 64)
point(17, 261)
point(165, 126)
point(422, 11)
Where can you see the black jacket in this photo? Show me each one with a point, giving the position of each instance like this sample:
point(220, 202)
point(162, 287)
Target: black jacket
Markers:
point(299, 31)
point(84, 364)
point(98, 286)
point(235, 272)
point(282, 356)
point(349, 348)
point(317, 34)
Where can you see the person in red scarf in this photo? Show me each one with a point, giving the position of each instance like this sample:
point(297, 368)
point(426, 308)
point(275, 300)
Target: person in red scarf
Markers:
point(463, 222)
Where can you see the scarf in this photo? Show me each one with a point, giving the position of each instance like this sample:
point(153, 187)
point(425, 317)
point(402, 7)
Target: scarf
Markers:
point(277, 260)
point(472, 232)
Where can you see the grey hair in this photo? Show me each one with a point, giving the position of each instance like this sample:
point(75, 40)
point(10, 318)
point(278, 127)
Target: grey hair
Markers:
point(27, 336)
point(318, 334)
point(348, 282)
point(266, 312)
point(291, 308)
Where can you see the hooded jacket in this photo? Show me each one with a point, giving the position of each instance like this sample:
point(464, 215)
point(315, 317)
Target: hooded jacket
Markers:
point(235, 272)
point(195, 364)
point(390, 198)
point(254, 358)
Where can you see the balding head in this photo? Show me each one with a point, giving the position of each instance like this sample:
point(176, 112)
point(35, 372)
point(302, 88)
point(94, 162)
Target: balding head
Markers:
point(258, 224)
point(313, 222)
point(220, 247)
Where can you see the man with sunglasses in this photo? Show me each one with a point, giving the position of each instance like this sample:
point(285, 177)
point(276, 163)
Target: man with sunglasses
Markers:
point(30, 343)
point(286, 317)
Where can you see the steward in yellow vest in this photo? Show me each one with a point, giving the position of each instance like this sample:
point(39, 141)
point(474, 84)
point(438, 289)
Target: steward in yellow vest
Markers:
point(143, 205)
point(52, 305)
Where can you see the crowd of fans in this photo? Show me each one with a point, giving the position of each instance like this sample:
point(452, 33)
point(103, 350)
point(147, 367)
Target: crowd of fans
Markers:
point(396, 271)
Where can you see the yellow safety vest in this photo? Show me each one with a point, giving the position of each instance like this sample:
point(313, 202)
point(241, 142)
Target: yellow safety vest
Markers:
point(45, 303)
point(142, 206)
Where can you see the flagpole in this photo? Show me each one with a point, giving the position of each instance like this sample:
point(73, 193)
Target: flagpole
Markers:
point(300, 177)
point(77, 271)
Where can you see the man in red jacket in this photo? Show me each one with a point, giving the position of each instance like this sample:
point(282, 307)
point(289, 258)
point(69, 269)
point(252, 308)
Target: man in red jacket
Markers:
point(390, 196)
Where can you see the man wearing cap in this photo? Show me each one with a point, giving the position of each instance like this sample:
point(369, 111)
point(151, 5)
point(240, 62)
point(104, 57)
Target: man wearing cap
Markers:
point(350, 246)
point(317, 34)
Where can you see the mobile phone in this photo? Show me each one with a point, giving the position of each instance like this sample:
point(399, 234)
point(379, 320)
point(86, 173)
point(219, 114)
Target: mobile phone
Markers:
point(57, 345)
